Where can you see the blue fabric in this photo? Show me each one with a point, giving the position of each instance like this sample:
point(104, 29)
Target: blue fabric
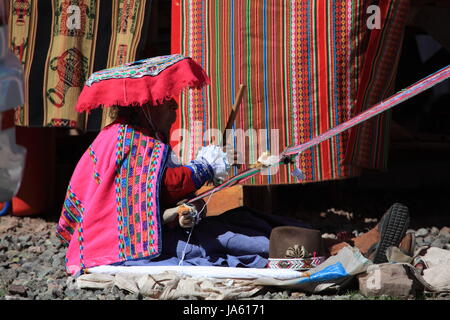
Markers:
point(335, 271)
point(201, 172)
point(237, 238)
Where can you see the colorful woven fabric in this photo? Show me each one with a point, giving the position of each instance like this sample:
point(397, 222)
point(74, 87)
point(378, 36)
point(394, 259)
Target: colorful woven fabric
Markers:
point(300, 264)
point(137, 188)
point(71, 216)
point(295, 151)
point(95, 174)
point(308, 66)
point(135, 70)
point(117, 218)
point(61, 42)
point(137, 83)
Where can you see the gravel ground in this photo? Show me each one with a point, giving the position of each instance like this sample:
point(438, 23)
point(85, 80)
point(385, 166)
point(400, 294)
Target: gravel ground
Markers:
point(32, 265)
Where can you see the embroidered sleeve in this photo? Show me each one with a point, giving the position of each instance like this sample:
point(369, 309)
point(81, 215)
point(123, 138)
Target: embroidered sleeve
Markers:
point(178, 183)
point(202, 172)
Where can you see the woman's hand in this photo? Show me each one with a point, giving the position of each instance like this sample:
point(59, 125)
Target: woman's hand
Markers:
point(186, 220)
point(200, 206)
point(187, 214)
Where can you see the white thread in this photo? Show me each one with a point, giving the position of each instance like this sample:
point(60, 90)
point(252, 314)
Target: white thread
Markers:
point(192, 229)
point(153, 127)
point(149, 118)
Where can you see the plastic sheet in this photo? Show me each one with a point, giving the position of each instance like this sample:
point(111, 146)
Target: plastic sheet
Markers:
point(12, 163)
point(11, 76)
point(12, 156)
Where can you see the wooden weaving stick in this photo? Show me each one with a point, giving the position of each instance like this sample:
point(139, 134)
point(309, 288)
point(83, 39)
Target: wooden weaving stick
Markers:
point(233, 113)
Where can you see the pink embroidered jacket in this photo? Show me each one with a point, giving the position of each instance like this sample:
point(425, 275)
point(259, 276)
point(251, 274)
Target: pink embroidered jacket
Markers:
point(111, 212)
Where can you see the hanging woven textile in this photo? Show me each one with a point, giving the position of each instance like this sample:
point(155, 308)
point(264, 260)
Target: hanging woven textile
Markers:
point(60, 43)
point(307, 65)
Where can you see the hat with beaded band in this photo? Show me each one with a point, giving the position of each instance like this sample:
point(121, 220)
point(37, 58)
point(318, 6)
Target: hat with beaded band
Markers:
point(295, 248)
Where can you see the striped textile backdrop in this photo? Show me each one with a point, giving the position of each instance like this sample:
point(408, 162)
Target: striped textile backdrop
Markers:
point(308, 65)
point(61, 42)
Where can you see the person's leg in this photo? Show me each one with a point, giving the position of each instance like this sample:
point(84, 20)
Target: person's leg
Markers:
point(363, 242)
point(390, 231)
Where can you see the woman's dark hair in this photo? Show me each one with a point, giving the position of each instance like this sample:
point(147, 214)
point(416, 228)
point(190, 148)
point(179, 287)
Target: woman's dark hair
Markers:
point(131, 115)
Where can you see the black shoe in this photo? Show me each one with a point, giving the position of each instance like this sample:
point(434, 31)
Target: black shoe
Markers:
point(392, 228)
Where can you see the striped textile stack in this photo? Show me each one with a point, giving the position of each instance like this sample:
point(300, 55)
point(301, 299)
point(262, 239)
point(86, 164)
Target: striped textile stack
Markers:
point(308, 66)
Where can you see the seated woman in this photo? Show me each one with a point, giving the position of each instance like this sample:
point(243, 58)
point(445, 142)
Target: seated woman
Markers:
point(115, 210)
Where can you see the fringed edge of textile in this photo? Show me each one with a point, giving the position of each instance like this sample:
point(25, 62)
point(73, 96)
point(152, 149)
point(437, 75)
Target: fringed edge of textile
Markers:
point(87, 107)
point(144, 89)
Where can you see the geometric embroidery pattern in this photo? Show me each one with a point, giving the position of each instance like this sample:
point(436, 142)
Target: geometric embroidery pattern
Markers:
point(301, 264)
point(138, 69)
point(136, 186)
point(94, 160)
point(72, 215)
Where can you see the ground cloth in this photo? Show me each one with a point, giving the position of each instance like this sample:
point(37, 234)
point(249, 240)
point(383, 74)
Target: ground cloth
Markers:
point(172, 282)
point(61, 42)
point(307, 66)
point(221, 282)
point(437, 272)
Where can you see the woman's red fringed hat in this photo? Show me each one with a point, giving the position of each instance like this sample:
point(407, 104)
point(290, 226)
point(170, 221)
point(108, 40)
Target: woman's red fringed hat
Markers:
point(148, 81)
